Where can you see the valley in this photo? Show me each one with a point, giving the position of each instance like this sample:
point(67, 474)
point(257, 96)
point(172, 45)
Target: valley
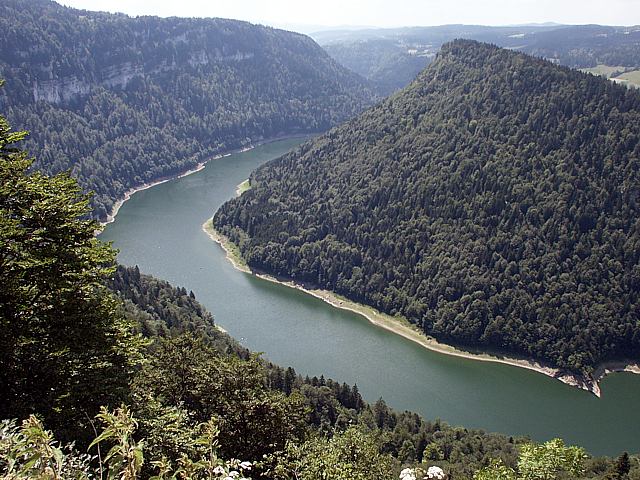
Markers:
point(233, 251)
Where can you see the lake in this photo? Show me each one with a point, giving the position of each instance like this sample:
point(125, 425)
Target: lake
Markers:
point(160, 229)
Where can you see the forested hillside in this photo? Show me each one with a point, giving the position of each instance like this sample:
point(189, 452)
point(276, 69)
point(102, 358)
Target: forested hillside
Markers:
point(391, 58)
point(122, 101)
point(494, 202)
point(91, 351)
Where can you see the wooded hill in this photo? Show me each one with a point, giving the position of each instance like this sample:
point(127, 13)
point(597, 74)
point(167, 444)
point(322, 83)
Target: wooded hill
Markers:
point(494, 202)
point(123, 101)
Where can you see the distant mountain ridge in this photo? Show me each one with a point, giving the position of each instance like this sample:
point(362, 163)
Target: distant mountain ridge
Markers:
point(494, 203)
point(391, 58)
point(122, 101)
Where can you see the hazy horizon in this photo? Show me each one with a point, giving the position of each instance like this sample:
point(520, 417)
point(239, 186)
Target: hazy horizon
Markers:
point(379, 13)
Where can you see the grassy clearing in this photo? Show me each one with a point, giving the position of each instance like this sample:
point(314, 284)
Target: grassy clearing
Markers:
point(605, 70)
point(623, 75)
point(243, 187)
point(632, 77)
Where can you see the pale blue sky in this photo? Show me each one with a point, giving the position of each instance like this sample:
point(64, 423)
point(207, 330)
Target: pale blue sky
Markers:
point(383, 13)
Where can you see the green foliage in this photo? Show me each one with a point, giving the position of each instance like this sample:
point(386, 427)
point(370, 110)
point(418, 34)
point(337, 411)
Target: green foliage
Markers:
point(30, 452)
point(547, 461)
point(432, 452)
point(494, 203)
point(495, 471)
point(352, 454)
point(64, 350)
point(125, 458)
point(187, 374)
point(123, 101)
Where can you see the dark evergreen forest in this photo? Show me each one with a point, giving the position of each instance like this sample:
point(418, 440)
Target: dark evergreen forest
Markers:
point(494, 202)
point(123, 101)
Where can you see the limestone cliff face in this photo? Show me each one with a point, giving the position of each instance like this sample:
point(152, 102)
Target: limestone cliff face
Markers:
point(61, 89)
point(121, 75)
point(61, 54)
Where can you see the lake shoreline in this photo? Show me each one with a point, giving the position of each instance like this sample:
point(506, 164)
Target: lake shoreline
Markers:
point(132, 191)
point(404, 328)
point(129, 193)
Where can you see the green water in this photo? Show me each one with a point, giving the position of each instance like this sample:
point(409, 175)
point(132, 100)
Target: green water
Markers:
point(159, 229)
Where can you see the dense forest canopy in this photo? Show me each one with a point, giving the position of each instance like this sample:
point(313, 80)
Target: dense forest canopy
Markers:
point(122, 101)
point(494, 202)
point(391, 58)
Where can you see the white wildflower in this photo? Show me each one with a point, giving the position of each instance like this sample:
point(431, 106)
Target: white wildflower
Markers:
point(219, 470)
point(245, 465)
point(408, 474)
point(436, 472)
point(234, 474)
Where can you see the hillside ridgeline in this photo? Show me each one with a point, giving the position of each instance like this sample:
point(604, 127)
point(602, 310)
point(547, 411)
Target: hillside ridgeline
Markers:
point(493, 203)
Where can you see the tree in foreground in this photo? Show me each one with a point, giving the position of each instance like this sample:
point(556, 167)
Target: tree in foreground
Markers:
point(31, 452)
point(353, 454)
point(64, 349)
point(547, 461)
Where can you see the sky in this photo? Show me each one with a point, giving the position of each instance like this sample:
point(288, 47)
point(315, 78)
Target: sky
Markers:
point(307, 15)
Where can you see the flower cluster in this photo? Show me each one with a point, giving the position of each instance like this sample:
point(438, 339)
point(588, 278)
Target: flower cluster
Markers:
point(408, 474)
point(233, 470)
point(435, 473)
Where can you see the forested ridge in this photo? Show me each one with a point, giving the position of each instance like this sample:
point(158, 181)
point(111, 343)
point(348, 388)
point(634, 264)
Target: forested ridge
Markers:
point(123, 101)
point(493, 202)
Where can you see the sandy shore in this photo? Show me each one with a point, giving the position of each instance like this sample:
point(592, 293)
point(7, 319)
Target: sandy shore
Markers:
point(401, 326)
point(128, 194)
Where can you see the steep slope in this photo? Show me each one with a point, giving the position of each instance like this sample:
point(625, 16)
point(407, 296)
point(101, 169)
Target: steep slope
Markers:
point(122, 101)
point(494, 203)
